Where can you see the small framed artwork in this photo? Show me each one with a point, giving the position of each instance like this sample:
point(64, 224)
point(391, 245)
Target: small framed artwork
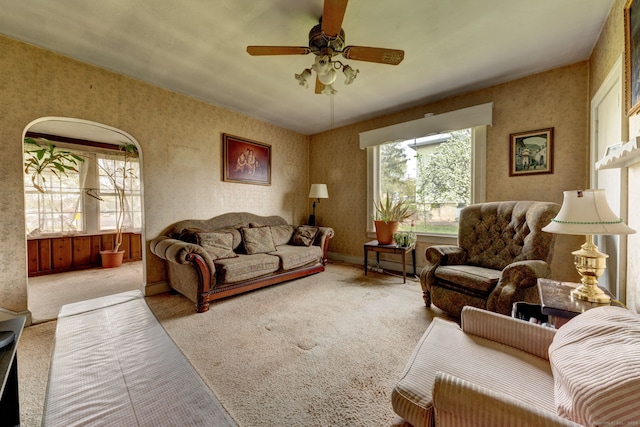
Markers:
point(531, 152)
point(245, 161)
point(632, 55)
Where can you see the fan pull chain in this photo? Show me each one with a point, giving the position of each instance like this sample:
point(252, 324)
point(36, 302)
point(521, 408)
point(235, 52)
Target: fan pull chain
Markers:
point(332, 111)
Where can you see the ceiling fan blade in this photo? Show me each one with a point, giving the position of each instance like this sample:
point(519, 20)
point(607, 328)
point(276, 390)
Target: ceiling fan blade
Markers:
point(374, 54)
point(332, 16)
point(277, 50)
point(319, 86)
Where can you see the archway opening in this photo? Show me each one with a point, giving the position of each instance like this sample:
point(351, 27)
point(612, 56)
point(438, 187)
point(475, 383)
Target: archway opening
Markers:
point(71, 219)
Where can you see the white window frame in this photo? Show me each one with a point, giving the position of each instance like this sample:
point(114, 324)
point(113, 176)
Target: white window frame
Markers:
point(89, 180)
point(477, 118)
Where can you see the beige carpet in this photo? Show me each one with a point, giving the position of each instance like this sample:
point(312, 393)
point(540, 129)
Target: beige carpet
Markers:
point(50, 292)
point(319, 351)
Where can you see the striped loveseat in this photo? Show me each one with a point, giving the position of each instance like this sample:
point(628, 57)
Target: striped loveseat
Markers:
point(495, 370)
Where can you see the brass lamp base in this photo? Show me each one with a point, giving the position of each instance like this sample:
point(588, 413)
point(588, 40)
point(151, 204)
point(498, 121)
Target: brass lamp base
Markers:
point(591, 294)
point(590, 263)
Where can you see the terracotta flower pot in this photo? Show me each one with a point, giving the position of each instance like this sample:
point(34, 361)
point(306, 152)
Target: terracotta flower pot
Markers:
point(111, 259)
point(385, 230)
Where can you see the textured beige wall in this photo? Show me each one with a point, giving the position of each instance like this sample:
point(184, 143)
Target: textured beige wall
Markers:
point(557, 98)
point(608, 48)
point(180, 139)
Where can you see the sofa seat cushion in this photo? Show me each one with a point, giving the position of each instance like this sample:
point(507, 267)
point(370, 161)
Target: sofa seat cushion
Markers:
point(297, 256)
point(444, 347)
point(469, 277)
point(595, 359)
point(245, 267)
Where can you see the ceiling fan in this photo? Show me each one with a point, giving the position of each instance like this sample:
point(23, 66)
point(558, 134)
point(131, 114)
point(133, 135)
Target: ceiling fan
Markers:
point(327, 40)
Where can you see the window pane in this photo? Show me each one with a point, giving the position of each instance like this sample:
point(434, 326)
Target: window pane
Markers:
point(113, 168)
point(44, 210)
point(434, 174)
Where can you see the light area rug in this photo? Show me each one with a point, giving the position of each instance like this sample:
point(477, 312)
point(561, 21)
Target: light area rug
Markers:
point(324, 350)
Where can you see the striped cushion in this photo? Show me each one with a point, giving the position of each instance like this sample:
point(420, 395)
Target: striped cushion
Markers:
point(444, 347)
point(595, 359)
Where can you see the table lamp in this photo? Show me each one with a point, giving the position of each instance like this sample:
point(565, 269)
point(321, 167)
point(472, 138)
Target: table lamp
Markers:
point(318, 191)
point(587, 212)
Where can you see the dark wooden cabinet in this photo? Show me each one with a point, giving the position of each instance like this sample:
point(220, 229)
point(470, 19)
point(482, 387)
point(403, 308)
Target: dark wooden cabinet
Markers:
point(49, 255)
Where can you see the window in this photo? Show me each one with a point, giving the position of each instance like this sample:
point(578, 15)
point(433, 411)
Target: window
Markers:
point(59, 208)
point(82, 201)
point(438, 174)
point(113, 166)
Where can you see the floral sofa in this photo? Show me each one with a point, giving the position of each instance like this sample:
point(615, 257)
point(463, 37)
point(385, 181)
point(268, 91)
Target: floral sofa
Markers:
point(238, 252)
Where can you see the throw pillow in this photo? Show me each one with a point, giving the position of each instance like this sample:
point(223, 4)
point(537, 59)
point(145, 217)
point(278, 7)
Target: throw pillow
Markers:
point(235, 232)
point(217, 245)
point(304, 235)
point(281, 234)
point(257, 240)
point(595, 359)
point(188, 235)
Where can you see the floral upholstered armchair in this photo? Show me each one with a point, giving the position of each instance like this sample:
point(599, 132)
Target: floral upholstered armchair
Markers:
point(501, 253)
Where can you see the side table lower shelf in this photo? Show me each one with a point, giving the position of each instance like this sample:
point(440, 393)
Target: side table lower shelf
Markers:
point(390, 249)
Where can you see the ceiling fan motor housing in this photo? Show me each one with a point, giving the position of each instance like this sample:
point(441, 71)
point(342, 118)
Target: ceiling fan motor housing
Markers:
point(321, 44)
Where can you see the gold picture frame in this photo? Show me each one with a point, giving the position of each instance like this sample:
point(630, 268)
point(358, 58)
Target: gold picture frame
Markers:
point(531, 153)
point(632, 56)
point(245, 161)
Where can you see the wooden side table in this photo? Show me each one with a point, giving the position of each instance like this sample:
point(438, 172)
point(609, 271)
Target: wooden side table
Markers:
point(390, 249)
point(556, 300)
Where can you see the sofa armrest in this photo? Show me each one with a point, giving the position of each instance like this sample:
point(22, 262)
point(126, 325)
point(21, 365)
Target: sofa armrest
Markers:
point(525, 274)
point(439, 255)
point(446, 255)
point(180, 252)
point(517, 283)
point(516, 333)
point(322, 240)
point(190, 254)
point(458, 402)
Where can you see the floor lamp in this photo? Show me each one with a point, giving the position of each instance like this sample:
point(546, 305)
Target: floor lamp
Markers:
point(587, 212)
point(318, 191)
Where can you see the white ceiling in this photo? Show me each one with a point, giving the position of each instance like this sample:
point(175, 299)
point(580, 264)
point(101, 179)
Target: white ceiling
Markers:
point(197, 47)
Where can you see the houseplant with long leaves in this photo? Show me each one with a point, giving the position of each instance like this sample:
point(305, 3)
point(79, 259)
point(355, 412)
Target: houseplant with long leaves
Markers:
point(387, 216)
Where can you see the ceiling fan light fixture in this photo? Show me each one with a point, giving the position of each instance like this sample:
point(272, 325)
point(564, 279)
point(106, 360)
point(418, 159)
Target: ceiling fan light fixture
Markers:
point(326, 41)
point(328, 78)
point(350, 74)
point(303, 77)
point(329, 90)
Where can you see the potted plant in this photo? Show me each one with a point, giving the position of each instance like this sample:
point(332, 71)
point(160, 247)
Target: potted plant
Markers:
point(387, 216)
point(118, 177)
point(42, 155)
point(45, 157)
